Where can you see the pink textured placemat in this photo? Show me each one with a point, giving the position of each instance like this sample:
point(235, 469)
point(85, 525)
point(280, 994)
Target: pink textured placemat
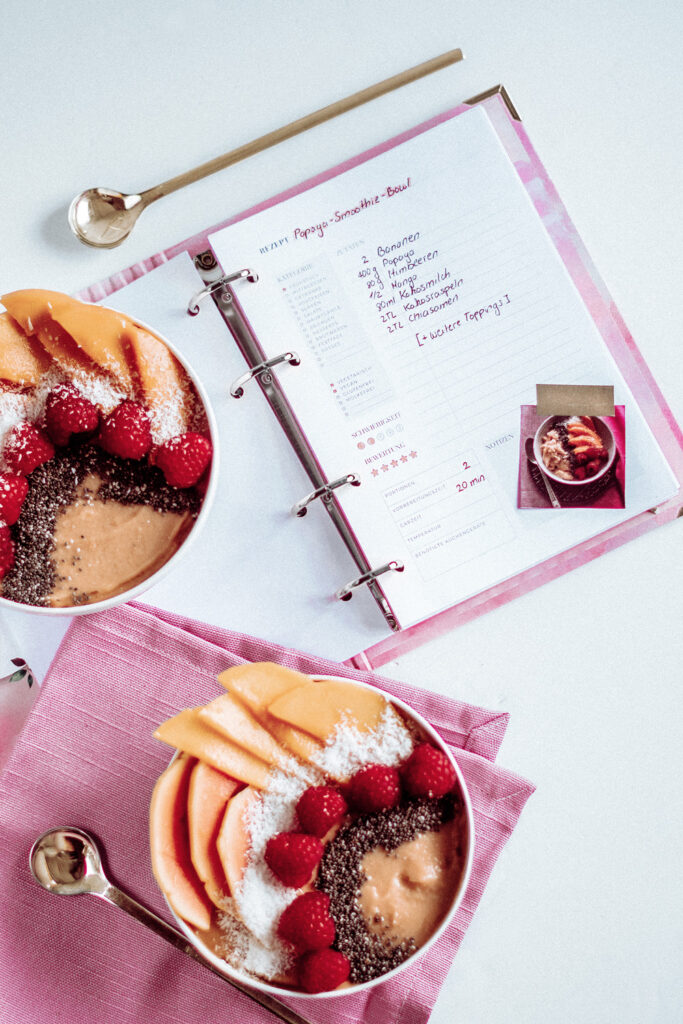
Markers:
point(87, 757)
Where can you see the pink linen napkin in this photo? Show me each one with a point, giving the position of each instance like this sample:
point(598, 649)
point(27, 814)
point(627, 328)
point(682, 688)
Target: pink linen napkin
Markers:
point(87, 757)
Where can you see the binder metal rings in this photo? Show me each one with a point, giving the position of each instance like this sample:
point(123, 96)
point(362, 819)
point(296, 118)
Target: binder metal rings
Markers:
point(193, 304)
point(300, 509)
point(237, 386)
point(346, 593)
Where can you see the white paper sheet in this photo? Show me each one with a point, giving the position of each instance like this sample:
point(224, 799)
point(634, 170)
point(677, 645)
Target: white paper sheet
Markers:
point(426, 301)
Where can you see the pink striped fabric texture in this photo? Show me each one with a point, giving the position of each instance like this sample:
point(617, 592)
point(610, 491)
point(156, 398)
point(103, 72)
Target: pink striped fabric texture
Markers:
point(86, 757)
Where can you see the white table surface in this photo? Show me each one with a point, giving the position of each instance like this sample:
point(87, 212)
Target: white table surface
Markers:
point(581, 919)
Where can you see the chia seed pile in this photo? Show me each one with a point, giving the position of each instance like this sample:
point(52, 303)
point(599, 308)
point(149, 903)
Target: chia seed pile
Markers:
point(52, 487)
point(341, 877)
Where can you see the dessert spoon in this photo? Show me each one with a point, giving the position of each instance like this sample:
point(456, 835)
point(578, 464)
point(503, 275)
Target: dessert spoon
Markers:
point(104, 218)
point(529, 449)
point(66, 861)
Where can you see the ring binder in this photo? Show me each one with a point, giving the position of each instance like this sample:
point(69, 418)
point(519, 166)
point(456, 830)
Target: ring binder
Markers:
point(210, 270)
point(237, 386)
point(300, 509)
point(346, 593)
point(237, 275)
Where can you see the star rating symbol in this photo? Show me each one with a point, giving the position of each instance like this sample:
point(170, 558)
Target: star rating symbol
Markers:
point(375, 472)
point(385, 468)
point(404, 458)
point(413, 455)
point(394, 463)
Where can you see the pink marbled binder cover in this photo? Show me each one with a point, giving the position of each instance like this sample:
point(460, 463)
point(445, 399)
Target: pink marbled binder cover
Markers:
point(607, 319)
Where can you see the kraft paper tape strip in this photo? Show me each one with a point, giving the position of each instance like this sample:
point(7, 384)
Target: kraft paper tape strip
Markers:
point(575, 399)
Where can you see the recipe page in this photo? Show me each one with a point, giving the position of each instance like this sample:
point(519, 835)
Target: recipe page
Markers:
point(426, 300)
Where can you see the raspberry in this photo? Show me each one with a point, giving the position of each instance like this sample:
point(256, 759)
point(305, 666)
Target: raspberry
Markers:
point(67, 413)
point(126, 431)
point(375, 788)
point(306, 922)
point(428, 772)
point(323, 970)
point(183, 459)
point(27, 447)
point(292, 856)
point(319, 808)
point(13, 490)
point(6, 550)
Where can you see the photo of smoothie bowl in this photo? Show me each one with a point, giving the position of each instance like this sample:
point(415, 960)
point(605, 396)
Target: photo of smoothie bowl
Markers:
point(107, 462)
point(310, 835)
point(574, 450)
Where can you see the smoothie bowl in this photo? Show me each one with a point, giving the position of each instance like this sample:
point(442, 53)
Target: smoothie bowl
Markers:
point(311, 836)
point(107, 462)
point(574, 450)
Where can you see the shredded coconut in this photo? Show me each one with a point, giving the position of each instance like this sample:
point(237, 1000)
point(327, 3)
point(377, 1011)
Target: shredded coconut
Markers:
point(243, 951)
point(261, 898)
point(98, 390)
point(166, 421)
point(18, 406)
point(350, 748)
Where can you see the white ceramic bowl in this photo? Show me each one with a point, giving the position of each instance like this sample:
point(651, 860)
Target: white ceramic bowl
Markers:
point(170, 565)
point(220, 965)
point(608, 443)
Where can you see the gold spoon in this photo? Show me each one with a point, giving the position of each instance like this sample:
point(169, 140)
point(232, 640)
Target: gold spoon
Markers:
point(67, 862)
point(529, 449)
point(104, 218)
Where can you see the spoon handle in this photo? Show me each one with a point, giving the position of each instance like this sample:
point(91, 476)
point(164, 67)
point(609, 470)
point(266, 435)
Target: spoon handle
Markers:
point(302, 124)
point(176, 938)
point(551, 493)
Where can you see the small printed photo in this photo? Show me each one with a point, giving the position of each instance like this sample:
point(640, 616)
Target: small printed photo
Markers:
point(571, 461)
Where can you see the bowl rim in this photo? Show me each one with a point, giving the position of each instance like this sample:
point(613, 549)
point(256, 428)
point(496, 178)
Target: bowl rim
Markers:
point(207, 501)
point(281, 991)
point(545, 425)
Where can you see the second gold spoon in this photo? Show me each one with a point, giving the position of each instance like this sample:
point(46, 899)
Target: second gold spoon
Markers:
point(103, 217)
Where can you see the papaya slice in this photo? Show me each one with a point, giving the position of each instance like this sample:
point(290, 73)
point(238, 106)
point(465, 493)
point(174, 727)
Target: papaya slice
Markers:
point(31, 308)
point(187, 732)
point(169, 846)
point(228, 716)
point(22, 359)
point(159, 379)
point(99, 333)
point(234, 842)
point(259, 683)
point(256, 685)
point(320, 707)
point(207, 798)
point(298, 742)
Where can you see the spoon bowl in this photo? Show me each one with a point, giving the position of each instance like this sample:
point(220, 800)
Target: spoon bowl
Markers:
point(66, 861)
point(103, 217)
